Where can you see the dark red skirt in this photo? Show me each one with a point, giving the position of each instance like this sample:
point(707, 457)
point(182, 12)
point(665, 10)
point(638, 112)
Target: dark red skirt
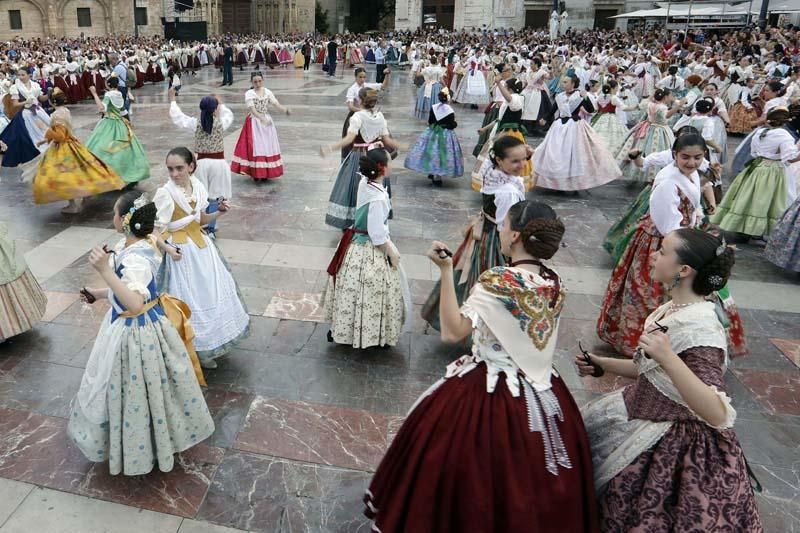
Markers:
point(465, 460)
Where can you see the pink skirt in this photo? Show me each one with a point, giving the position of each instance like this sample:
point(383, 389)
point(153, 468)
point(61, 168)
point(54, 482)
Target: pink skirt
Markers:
point(257, 152)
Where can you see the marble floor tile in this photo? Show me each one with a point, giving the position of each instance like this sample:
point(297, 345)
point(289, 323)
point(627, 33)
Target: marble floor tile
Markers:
point(315, 433)
point(12, 494)
point(606, 383)
point(195, 526)
point(271, 495)
point(58, 302)
point(789, 348)
point(776, 392)
point(294, 255)
point(779, 515)
point(179, 492)
point(50, 511)
point(25, 386)
point(229, 410)
point(301, 306)
point(35, 449)
point(236, 251)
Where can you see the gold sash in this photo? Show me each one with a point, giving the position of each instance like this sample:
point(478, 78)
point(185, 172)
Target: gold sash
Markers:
point(190, 231)
point(178, 313)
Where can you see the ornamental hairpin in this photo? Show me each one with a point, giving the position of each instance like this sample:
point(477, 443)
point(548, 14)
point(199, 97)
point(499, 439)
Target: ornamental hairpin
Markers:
point(721, 248)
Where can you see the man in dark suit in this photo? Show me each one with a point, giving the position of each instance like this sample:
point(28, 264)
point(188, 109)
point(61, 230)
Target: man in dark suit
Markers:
point(227, 64)
point(333, 48)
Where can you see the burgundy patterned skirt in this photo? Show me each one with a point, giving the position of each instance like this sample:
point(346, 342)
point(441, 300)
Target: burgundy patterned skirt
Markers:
point(465, 460)
point(694, 479)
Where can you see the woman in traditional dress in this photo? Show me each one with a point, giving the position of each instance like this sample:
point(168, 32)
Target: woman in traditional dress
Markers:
point(113, 140)
point(140, 401)
point(212, 169)
point(665, 455)
point(509, 122)
point(367, 297)
point(743, 112)
point(609, 121)
point(572, 157)
point(257, 153)
point(703, 121)
point(480, 250)
point(473, 89)
point(632, 292)
point(506, 72)
point(775, 95)
point(285, 56)
point(761, 193)
point(68, 170)
point(29, 122)
point(354, 102)
point(367, 126)
point(721, 120)
point(497, 444)
point(200, 277)
point(429, 91)
point(652, 134)
point(437, 151)
point(21, 298)
point(538, 110)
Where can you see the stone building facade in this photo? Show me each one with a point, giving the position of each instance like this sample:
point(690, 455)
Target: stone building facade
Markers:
point(73, 18)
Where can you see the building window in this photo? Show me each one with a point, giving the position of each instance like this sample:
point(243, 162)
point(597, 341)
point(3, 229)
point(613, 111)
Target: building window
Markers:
point(84, 17)
point(141, 16)
point(15, 19)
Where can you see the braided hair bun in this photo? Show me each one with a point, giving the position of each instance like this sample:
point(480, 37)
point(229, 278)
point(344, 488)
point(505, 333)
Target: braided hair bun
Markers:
point(541, 230)
point(709, 256)
point(143, 219)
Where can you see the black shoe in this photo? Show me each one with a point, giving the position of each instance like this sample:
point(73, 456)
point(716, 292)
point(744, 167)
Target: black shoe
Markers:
point(430, 177)
point(330, 336)
point(437, 183)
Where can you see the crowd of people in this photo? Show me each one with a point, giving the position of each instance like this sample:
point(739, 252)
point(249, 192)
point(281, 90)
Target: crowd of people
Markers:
point(653, 109)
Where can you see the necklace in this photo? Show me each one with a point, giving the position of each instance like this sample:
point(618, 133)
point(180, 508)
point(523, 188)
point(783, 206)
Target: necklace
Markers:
point(681, 306)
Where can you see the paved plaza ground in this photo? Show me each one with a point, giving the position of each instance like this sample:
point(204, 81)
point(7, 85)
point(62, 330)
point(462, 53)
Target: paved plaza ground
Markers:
point(301, 423)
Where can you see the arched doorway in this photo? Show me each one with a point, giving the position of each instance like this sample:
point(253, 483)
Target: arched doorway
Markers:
point(237, 16)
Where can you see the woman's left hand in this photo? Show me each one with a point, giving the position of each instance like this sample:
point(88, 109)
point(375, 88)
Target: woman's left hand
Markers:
point(98, 258)
point(224, 206)
point(656, 345)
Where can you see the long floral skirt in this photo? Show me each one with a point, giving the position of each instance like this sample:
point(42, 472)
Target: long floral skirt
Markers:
point(489, 116)
point(610, 130)
point(115, 144)
point(478, 252)
point(783, 248)
point(153, 408)
point(742, 118)
point(365, 303)
point(632, 292)
point(22, 305)
point(756, 200)
point(649, 138)
point(466, 460)
point(694, 479)
point(436, 151)
point(620, 233)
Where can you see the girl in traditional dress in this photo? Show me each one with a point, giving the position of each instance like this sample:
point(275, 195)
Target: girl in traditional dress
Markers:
point(209, 145)
point(257, 153)
point(28, 124)
point(632, 292)
point(140, 401)
point(201, 278)
point(68, 170)
point(572, 157)
point(497, 444)
point(609, 122)
point(284, 56)
point(429, 91)
point(509, 122)
point(354, 102)
point(367, 297)
point(113, 140)
point(367, 126)
point(437, 151)
point(703, 121)
point(743, 113)
point(21, 298)
point(721, 120)
point(538, 110)
point(761, 193)
point(491, 112)
point(480, 250)
point(665, 455)
point(473, 89)
point(652, 134)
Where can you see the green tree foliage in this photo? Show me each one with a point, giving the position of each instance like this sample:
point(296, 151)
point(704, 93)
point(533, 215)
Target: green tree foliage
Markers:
point(369, 15)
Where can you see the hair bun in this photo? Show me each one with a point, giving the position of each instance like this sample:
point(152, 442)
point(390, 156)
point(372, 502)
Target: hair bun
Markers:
point(714, 275)
point(541, 237)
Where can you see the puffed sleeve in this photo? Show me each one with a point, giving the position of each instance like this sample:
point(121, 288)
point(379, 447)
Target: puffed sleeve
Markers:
point(136, 274)
point(788, 148)
point(516, 103)
point(225, 116)
point(250, 97)
point(164, 208)
point(657, 160)
point(707, 364)
point(503, 202)
point(270, 97)
point(355, 124)
point(708, 130)
point(376, 227)
point(180, 119)
point(14, 92)
point(664, 203)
